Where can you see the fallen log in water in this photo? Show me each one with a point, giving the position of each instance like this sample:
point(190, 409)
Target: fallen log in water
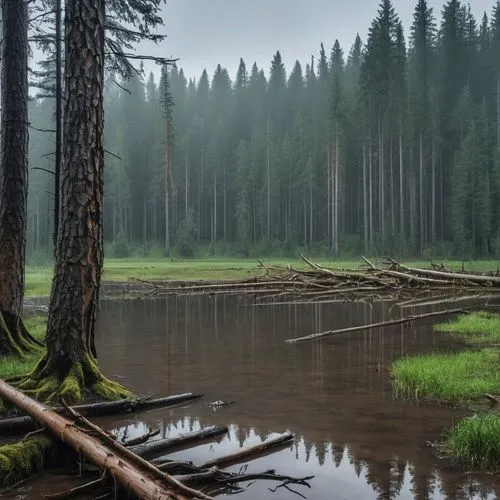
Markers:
point(399, 321)
point(174, 443)
point(21, 425)
point(134, 473)
point(268, 446)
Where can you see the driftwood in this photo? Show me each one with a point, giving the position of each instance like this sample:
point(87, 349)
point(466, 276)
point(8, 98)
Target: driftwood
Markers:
point(145, 480)
point(261, 449)
point(399, 321)
point(141, 439)
point(21, 425)
point(318, 282)
point(174, 443)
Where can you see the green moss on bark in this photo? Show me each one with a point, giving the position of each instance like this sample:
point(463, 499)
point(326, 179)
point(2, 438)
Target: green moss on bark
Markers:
point(81, 381)
point(19, 460)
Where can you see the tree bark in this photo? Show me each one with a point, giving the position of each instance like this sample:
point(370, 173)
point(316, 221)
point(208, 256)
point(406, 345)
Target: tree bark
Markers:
point(69, 364)
point(14, 339)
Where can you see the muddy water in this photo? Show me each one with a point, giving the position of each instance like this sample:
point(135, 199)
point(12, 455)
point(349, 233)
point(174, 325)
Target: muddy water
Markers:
point(335, 396)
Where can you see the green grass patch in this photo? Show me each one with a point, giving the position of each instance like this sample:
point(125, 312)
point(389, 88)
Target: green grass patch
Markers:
point(14, 367)
point(477, 328)
point(39, 278)
point(451, 377)
point(475, 441)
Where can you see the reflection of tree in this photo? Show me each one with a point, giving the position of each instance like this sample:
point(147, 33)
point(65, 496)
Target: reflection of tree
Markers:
point(331, 393)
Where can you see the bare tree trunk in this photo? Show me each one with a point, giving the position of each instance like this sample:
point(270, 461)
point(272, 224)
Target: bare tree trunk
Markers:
point(70, 357)
point(268, 183)
point(311, 218)
point(498, 108)
point(145, 226)
point(167, 177)
point(401, 195)
point(433, 195)
point(381, 183)
point(370, 187)
point(365, 201)
point(329, 189)
point(421, 192)
point(186, 192)
point(58, 159)
point(393, 194)
point(214, 226)
point(14, 338)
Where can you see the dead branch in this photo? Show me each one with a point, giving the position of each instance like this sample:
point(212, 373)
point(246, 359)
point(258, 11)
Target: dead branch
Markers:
point(400, 321)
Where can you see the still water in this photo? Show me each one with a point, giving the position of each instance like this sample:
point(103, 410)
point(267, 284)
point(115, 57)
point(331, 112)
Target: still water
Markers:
point(335, 396)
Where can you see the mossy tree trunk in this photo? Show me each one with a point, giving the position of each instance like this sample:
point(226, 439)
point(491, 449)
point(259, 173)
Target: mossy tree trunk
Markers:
point(69, 366)
point(14, 339)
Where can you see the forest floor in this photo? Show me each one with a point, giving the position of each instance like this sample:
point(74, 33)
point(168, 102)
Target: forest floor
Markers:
point(465, 378)
point(38, 279)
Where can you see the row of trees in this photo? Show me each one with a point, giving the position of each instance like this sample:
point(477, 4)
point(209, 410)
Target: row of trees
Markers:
point(393, 148)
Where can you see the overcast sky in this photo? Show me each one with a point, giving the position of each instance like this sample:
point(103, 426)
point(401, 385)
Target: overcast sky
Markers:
point(204, 33)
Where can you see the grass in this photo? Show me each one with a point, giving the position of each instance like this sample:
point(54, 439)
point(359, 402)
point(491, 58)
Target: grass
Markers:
point(477, 328)
point(475, 441)
point(460, 377)
point(38, 279)
point(450, 377)
point(13, 367)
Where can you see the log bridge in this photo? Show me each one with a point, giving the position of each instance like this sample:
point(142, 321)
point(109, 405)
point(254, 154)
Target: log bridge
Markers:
point(131, 465)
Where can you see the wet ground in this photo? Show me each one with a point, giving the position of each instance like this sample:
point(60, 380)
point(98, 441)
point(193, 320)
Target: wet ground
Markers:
point(335, 396)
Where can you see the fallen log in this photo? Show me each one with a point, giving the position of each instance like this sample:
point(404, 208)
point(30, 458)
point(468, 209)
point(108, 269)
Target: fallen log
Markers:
point(183, 440)
point(141, 439)
point(400, 321)
point(145, 481)
point(21, 425)
point(472, 278)
point(243, 455)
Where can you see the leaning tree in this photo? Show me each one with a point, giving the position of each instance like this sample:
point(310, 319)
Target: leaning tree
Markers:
point(14, 339)
point(69, 368)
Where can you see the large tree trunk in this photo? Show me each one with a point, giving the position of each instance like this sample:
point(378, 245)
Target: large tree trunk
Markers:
point(14, 339)
point(69, 365)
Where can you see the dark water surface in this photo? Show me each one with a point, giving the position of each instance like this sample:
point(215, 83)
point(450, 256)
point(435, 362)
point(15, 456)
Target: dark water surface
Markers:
point(335, 396)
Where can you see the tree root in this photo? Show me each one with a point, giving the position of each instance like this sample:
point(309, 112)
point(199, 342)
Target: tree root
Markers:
point(15, 340)
point(81, 380)
point(19, 460)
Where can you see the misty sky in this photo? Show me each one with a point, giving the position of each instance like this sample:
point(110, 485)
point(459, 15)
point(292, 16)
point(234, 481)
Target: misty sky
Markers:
point(204, 33)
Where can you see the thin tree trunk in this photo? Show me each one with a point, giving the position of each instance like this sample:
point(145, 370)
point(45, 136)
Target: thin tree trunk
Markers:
point(268, 184)
point(214, 227)
point(421, 192)
point(393, 194)
point(58, 158)
point(365, 202)
point(381, 183)
point(167, 177)
point(13, 174)
point(498, 108)
point(329, 189)
point(186, 192)
point(433, 195)
point(401, 196)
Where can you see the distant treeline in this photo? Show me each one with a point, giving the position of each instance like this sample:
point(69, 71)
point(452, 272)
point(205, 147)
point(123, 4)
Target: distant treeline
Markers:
point(392, 148)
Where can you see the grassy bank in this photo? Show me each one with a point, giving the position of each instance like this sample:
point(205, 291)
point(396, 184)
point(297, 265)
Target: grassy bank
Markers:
point(38, 279)
point(13, 367)
point(461, 377)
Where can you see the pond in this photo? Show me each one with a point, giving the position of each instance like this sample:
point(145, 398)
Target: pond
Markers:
point(335, 396)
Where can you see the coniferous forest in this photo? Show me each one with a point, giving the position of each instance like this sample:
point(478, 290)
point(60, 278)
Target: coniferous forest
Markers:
point(389, 146)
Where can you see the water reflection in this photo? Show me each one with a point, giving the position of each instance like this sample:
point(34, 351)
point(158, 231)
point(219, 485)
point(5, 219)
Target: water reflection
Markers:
point(335, 396)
